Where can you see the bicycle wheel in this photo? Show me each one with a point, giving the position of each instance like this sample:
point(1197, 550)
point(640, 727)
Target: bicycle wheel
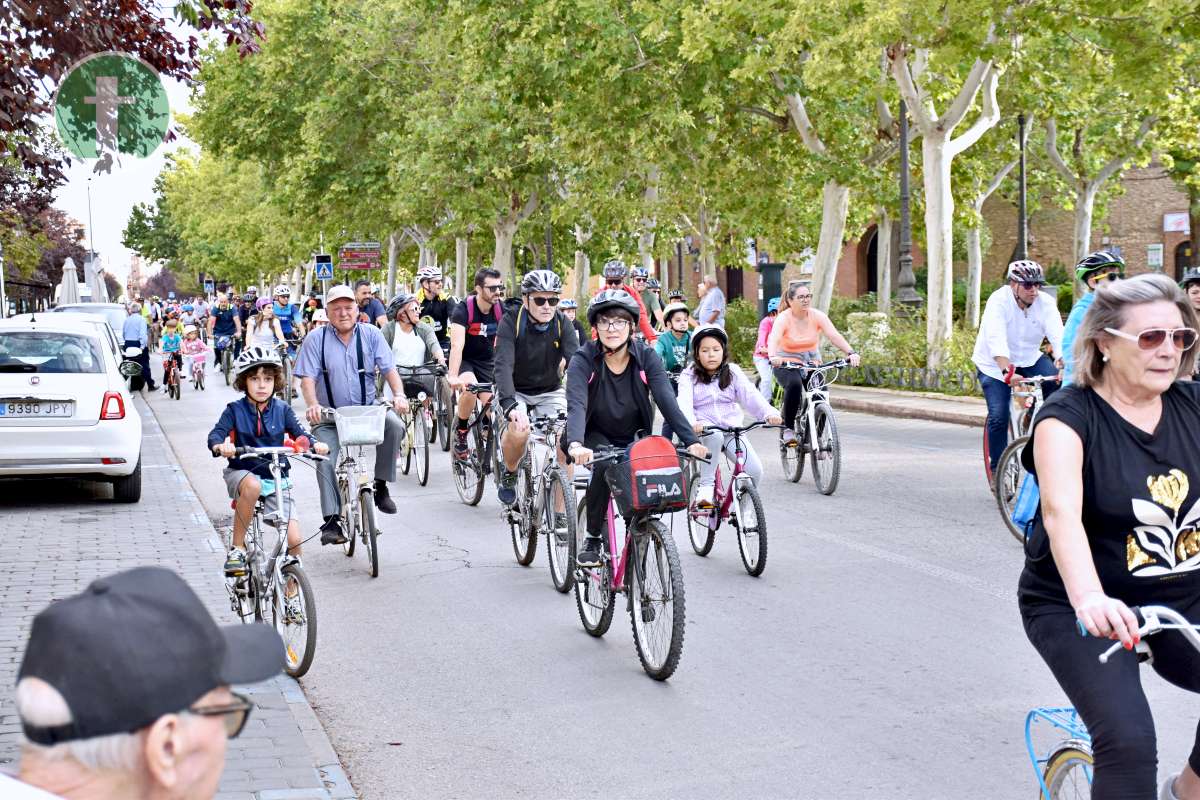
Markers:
point(299, 635)
point(1009, 473)
point(366, 510)
point(792, 457)
point(751, 530)
point(656, 607)
point(826, 451)
point(350, 521)
point(700, 530)
point(560, 539)
point(431, 424)
point(468, 473)
point(226, 363)
point(1068, 773)
point(524, 530)
point(406, 455)
point(200, 380)
point(446, 405)
point(594, 597)
point(421, 439)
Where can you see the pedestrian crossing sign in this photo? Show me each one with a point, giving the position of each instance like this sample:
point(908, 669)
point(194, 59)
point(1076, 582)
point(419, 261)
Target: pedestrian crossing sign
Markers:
point(324, 267)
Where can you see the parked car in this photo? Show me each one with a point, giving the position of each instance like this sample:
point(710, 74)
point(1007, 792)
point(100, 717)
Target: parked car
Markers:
point(115, 313)
point(98, 320)
point(65, 409)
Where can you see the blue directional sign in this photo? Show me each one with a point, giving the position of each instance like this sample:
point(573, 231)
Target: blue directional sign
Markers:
point(324, 268)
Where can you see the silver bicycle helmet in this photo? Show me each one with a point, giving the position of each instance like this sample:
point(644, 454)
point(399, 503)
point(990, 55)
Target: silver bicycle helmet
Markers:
point(639, 272)
point(398, 302)
point(1026, 272)
point(615, 269)
point(568, 303)
point(255, 357)
point(541, 280)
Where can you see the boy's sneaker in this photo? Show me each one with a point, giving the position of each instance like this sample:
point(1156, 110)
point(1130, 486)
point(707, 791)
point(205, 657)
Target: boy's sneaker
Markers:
point(506, 487)
point(590, 555)
point(331, 531)
point(235, 563)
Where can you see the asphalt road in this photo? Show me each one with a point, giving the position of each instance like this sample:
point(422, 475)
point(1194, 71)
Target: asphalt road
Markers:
point(880, 655)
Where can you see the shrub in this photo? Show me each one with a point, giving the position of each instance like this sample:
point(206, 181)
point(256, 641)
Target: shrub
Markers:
point(741, 323)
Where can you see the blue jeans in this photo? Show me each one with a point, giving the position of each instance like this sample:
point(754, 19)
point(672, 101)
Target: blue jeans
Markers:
point(998, 395)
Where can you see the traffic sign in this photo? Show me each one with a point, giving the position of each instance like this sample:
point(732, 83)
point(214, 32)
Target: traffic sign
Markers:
point(209, 287)
point(359, 255)
point(324, 268)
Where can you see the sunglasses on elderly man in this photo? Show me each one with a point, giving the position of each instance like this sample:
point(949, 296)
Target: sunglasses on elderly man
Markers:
point(545, 301)
point(1152, 338)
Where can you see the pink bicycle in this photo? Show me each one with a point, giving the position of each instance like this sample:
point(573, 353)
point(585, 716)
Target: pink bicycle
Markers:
point(747, 516)
point(646, 568)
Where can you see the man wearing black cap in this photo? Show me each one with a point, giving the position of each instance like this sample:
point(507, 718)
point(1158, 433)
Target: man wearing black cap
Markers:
point(124, 692)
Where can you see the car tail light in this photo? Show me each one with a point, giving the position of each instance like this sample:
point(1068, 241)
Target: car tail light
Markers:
point(112, 406)
point(112, 461)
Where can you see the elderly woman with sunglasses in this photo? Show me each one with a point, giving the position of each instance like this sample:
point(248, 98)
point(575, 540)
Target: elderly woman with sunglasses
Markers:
point(1117, 457)
point(795, 338)
point(1016, 319)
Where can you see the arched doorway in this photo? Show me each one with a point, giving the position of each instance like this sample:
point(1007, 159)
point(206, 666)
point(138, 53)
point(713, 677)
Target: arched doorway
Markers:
point(868, 258)
point(1183, 258)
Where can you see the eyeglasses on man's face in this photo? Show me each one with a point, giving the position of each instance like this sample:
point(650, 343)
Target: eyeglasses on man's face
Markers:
point(233, 714)
point(494, 287)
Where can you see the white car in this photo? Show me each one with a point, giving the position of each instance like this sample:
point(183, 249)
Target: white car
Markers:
point(65, 409)
point(99, 321)
point(115, 313)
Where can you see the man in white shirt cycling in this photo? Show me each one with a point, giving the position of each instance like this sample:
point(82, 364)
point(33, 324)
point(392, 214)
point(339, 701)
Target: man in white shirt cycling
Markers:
point(1016, 319)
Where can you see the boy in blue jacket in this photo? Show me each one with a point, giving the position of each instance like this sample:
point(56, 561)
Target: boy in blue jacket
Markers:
point(258, 419)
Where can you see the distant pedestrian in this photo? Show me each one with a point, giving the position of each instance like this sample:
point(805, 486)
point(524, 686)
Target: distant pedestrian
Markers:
point(124, 692)
point(136, 333)
point(711, 310)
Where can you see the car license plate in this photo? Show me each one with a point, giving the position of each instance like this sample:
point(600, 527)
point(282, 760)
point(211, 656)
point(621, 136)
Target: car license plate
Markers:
point(14, 409)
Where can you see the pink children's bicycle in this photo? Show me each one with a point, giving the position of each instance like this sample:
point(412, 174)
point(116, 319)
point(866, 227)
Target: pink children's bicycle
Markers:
point(737, 501)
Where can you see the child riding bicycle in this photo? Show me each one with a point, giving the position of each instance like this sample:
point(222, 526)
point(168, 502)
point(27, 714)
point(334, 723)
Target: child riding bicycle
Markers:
point(713, 391)
point(194, 352)
point(258, 419)
point(172, 343)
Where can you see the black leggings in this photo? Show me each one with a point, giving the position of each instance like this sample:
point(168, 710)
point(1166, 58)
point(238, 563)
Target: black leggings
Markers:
point(598, 493)
point(1110, 700)
point(792, 381)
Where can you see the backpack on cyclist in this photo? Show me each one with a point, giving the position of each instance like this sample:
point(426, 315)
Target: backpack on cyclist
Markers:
point(649, 479)
point(497, 312)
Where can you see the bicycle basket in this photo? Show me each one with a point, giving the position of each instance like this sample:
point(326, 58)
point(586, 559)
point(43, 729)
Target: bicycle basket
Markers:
point(360, 424)
point(649, 479)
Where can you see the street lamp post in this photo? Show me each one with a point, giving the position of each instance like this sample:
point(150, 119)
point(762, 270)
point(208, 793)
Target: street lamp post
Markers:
point(1021, 249)
point(3, 291)
point(906, 293)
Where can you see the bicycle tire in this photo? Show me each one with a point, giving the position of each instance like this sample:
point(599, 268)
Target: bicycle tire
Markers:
point(1068, 773)
point(200, 381)
point(422, 438)
point(349, 522)
point(792, 458)
point(445, 409)
point(829, 442)
point(662, 663)
point(226, 363)
point(560, 545)
point(700, 532)
point(432, 426)
point(1009, 472)
point(752, 546)
point(406, 446)
point(595, 617)
point(296, 664)
point(524, 531)
point(469, 474)
point(366, 510)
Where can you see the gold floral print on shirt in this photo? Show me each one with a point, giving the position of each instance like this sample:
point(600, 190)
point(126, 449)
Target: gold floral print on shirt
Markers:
point(1164, 544)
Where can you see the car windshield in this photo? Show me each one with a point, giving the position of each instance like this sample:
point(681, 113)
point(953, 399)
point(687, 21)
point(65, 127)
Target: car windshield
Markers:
point(46, 351)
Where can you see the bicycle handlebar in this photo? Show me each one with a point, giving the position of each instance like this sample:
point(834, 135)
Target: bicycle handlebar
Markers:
point(838, 364)
point(737, 429)
point(267, 452)
point(610, 453)
point(1151, 621)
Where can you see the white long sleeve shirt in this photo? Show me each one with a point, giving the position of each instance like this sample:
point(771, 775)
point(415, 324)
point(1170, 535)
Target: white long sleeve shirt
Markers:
point(1016, 333)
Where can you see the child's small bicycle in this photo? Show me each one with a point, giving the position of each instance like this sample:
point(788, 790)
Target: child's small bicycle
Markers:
point(748, 517)
point(198, 363)
point(171, 375)
point(1066, 769)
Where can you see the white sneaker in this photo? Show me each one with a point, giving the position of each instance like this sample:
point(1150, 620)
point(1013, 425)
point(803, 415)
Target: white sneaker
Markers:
point(704, 497)
point(1168, 789)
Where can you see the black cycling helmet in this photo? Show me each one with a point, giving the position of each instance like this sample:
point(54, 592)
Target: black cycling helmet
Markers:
point(1094, 262)
point(541, 280)
point(652, 283)
point(615, 269)
point(1026, 272)
point(613, 300)
point(1190, 276)
point(398, 302)
point(710, 331)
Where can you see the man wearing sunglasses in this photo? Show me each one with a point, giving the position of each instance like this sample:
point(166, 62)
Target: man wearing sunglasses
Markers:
point(1093, 271)
point(1016, 320)
point(473, 326)
point(124, 692)
point(530, 386)
point(615, 273)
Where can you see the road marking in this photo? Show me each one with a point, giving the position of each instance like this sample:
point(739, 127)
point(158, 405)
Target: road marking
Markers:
point(933, 570)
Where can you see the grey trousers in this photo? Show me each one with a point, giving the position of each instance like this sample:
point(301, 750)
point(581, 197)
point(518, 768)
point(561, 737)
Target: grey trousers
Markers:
point(385, 459)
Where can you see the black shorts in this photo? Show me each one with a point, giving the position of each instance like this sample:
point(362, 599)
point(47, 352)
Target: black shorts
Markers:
point(483, 372)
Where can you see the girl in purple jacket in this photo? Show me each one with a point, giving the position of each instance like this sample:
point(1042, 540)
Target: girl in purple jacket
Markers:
point(713, 391)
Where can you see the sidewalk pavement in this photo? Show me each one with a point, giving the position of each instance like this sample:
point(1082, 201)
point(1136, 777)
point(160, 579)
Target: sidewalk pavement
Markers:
point(62, 535)
point(914, 405)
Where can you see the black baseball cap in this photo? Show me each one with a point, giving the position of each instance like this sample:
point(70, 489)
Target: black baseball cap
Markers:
point(134, 646)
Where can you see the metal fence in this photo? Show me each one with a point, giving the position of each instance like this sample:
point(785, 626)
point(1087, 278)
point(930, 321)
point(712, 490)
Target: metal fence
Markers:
point(954, 381)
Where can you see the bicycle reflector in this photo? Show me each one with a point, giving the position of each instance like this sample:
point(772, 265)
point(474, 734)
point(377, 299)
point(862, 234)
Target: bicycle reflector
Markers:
point(112, 406)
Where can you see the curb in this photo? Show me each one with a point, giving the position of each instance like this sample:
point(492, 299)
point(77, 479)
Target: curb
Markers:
point(895, 407)
point(329, 770)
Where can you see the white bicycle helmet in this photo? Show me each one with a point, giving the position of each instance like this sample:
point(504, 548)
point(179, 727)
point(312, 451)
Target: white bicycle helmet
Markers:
point(282, 291)
point(541, 280)
point(429, 274)
point(255, 357)
point(1026, 272)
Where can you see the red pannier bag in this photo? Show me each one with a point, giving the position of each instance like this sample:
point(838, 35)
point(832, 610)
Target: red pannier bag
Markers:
point(649, 479)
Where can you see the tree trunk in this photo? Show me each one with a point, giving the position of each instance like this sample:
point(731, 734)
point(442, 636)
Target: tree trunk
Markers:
point(835, 205)
point(1194, 226)
point(393, 246)
point(583, 268)
point(1085, 205)
point(974, 274)
point(883, 262)
point(649, 222)
point(503, 255)
point(939, 216)
point(461, 266)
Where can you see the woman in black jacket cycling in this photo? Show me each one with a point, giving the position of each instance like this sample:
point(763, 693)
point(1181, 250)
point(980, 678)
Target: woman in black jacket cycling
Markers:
point(610, 382)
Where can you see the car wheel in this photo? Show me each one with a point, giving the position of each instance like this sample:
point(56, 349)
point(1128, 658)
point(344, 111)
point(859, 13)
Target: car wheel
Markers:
point(128, 489)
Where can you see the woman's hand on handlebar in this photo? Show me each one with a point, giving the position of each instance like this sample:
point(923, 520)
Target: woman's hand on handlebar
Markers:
point(1109, 618)
point(580, 455)
point(776, 361)
point(774, 419)
point(698, 450)
point(854, 359)
point(698, 428)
